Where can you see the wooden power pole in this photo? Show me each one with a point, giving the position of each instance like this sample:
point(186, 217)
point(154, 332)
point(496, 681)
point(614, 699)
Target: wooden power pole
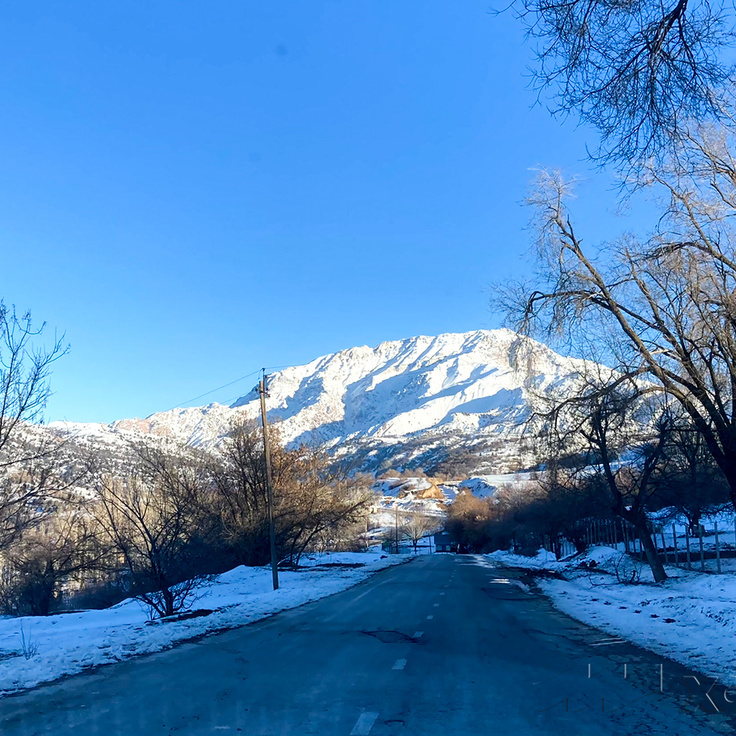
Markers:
point(269, 483)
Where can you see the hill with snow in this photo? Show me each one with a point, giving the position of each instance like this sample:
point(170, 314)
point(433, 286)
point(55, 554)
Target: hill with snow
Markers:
point(422, 401)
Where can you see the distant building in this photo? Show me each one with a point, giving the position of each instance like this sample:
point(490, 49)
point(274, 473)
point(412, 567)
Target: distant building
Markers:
point(442, 543)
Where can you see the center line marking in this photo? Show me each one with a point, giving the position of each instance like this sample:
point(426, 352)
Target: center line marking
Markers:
point(430, 617)
point(418, 634)
point(365, 724)
point(399, 664)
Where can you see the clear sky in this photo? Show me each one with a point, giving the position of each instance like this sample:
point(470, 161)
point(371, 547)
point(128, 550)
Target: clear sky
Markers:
point(192, 190)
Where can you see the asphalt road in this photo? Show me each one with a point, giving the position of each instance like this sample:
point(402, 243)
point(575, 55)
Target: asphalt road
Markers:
point(445, 645)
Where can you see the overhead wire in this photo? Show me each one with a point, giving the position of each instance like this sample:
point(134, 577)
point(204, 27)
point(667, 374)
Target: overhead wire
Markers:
point(225, 385)
point(219, 388)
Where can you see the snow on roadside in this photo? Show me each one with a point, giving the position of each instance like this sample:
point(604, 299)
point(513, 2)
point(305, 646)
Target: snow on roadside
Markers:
point(690, 618)
point(65, 644)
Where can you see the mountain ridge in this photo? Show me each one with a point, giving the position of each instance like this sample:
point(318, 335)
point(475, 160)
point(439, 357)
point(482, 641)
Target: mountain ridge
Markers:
point(402, 397)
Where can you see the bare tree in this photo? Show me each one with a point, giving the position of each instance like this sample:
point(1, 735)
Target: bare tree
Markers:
point(569, 498)
point(637, 71)
point(611, 420)
point(663, 309)
point(690, 481)
point(314, 502)
point(28, 459)
point(469, 522)
point(416, 526)
point(154, 520)
point(46, 557)
point(320, 505)
point(240, 480)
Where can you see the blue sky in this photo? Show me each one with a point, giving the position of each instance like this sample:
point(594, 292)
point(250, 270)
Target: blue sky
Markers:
point(191, 191)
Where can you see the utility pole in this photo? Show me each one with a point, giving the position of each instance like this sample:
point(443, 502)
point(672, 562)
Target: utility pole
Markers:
point(269, 485)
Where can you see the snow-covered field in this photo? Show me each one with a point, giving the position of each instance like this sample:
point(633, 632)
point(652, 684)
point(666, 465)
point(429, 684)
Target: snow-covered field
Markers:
point(690, 618)
point(39, 649)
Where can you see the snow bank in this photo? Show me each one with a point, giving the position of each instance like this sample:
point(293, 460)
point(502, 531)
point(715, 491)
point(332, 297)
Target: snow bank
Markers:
point(36, 649)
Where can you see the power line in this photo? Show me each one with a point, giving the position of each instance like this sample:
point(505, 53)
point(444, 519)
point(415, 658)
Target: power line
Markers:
point(229, 401)
point(219, 388)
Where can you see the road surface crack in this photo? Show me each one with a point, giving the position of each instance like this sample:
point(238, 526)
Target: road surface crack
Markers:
point(391, 637)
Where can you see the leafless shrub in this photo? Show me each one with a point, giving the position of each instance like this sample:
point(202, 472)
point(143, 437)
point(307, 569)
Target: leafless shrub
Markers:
point(627, 570)
point(28, 646)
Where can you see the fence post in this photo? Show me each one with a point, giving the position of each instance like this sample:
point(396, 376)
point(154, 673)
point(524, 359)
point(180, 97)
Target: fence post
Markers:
point(702, 554)
point(718, 547)
point(674, 541)
point(664, 546)
point(687, 545)
point(623, 535)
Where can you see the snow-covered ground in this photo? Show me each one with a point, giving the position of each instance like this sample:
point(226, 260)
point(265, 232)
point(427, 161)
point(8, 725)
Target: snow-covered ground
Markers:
point(690, 618)
point(36, 649)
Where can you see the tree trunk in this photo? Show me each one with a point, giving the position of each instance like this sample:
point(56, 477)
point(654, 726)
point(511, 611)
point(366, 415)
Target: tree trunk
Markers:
point(577, 537)
point(650, 551)
point(168, 602)
point(729, 470)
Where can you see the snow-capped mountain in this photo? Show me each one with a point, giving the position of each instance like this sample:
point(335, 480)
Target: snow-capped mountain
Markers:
point(405, 402)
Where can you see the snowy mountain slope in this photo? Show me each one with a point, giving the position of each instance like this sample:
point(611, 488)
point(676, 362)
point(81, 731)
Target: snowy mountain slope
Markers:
point(405, 398)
